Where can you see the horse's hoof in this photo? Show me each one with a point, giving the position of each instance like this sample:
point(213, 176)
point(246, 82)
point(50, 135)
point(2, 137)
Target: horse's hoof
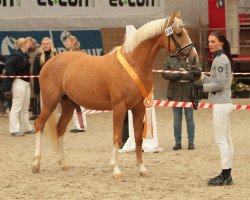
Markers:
point(65, 167)
point(118, 177)
point(144, 174)
point(35, 169)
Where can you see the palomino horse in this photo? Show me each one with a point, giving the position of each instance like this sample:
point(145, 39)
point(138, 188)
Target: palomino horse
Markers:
point(102, 83)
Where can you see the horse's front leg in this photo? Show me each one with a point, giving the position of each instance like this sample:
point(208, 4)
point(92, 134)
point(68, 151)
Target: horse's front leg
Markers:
point(35, 167)
point(118, 121)
point(138, 115)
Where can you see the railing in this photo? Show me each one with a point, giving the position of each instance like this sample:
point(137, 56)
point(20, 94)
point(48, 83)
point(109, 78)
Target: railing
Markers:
point(244, 15)
point(243, 43)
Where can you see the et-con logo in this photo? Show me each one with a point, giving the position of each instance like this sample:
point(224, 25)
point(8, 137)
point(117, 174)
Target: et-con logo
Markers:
point(73, 3)
point(11, 3)
point(132, 3)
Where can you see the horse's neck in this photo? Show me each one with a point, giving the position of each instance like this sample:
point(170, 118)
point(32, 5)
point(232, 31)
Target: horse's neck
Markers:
point(144, 55)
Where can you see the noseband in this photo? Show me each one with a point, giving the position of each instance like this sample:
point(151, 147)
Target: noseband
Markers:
point(170, 34)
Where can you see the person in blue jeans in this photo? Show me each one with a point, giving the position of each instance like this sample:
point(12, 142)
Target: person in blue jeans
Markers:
point(178, 128)
point(179, 90)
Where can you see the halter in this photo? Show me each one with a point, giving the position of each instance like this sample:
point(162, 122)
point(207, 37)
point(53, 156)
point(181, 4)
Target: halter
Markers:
point(194, 93)
point(179, 48)
point(170, 34)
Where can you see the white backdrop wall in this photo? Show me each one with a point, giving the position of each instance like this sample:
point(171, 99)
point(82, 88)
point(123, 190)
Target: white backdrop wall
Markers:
point(83, 14)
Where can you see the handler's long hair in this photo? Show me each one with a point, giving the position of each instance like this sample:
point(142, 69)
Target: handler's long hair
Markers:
point(226, 46)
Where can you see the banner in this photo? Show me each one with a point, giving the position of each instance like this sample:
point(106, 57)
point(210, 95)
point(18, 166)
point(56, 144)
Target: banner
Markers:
point(81, 8)
point(8, 39)
point(90, 40)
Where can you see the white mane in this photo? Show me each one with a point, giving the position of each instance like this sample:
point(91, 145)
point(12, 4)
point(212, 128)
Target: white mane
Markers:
point(148, 30)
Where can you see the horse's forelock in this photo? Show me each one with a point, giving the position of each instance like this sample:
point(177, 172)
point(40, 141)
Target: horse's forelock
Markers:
point(149, 30)
point(178, 23)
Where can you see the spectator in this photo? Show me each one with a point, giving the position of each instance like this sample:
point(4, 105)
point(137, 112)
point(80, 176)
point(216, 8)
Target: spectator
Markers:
point(18, 64)
point(179, 90)
point(33, 51)
point(47, 51)
point(72, 44)
point(4, 101)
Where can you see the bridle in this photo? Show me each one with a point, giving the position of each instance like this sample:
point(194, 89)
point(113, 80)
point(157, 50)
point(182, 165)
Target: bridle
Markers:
point(180, 50)
point(194, 93)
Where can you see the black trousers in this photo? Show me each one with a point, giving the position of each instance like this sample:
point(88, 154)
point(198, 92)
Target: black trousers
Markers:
point(125, 134)
point(35, 105)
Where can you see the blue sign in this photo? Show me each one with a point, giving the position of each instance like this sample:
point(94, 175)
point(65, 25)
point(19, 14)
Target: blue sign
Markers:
point(8, 39)
point(90, 40)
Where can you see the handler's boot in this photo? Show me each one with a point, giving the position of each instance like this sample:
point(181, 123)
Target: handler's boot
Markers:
point(220, 181)
point(177, 147)
point(190, 146)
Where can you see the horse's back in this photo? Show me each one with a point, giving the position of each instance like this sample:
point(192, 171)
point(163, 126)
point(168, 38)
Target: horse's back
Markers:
point(77, 74)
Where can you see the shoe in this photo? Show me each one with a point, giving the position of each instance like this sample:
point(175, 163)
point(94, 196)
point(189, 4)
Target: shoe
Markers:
point(5, 104)
point(75, 130)
point(33, 117)
point(17, 134)
point(29, 132)
point(177, 147)
point(220, 181)
point(191, 146)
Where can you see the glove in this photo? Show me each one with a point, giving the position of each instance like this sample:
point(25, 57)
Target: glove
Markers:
point(195, 73)
point(198, 85)
point(177, 77)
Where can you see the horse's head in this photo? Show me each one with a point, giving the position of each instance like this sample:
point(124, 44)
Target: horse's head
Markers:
point(177, 41)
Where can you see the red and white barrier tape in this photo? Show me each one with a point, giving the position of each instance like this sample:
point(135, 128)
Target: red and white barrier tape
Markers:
point(163, 103)
point(186, 72)
point(154, 70)
point(25, 76)
point(88, 111)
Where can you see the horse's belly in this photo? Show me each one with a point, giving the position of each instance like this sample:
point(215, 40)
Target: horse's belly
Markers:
point(97, 97)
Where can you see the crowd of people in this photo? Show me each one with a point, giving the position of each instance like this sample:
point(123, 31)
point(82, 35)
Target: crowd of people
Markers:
point(19, 96)
point(22, 95)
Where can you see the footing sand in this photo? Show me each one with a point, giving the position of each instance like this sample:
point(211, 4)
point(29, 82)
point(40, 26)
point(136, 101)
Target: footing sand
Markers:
point(173, 174)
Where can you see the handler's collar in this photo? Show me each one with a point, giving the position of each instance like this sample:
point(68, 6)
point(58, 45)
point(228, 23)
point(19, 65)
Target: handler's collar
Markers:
point(218, 53)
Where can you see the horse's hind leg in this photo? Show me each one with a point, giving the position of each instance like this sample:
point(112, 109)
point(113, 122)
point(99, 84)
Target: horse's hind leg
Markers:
point(138, 115)
point(47, 108)
point(66, 115)
point(118, 121)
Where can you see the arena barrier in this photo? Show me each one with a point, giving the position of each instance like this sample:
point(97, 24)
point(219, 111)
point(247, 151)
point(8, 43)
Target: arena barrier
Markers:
point(151, 145)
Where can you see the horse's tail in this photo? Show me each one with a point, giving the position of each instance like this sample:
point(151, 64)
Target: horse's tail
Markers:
point(52, 130)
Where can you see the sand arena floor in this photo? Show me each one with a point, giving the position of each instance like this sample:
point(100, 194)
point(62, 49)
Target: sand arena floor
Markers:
point(174, 174)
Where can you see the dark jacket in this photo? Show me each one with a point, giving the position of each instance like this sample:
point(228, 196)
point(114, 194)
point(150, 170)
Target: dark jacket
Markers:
point(177, 90)
point(1, 70)
point(37, 68)
point(16, 65)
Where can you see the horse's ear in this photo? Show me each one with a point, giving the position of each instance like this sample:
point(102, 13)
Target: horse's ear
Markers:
point(178, 15)
point(171, 19)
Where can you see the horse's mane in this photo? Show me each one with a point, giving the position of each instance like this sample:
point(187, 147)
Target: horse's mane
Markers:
point(149, 30)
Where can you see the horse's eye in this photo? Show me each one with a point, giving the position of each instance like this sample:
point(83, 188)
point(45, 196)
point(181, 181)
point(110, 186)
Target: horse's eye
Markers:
point(179, 34)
